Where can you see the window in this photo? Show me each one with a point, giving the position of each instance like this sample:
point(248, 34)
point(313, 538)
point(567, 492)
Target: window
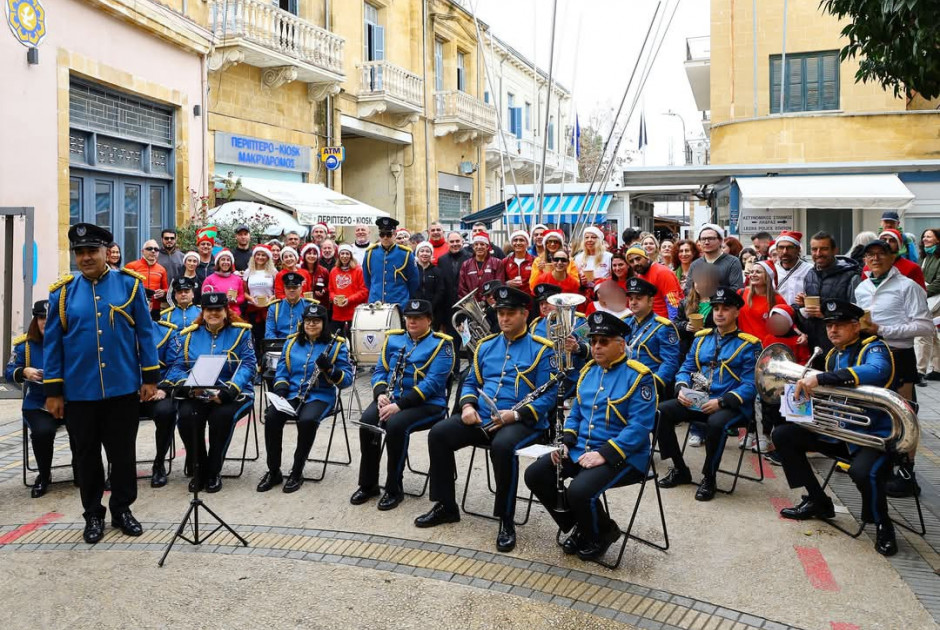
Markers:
point(374, 40)
point(551, 133)
point(438, 65)
point(486, 97)
point(461, 72)
point(514, 115)
point(287, 5)
point(811, 82)
point(528, 116)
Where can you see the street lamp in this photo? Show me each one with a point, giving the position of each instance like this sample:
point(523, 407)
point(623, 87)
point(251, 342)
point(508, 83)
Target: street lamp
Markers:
point(682, 120)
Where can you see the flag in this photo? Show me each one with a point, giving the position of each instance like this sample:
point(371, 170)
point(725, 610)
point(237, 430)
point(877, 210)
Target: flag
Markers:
point(644, 140)
point(576, 137)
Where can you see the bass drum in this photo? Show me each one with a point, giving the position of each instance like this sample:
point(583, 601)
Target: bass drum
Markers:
point(369, 325)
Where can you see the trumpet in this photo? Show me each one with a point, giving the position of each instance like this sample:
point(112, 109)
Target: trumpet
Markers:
point(839, 412)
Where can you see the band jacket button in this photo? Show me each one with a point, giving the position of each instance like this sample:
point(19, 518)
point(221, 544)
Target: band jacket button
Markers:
point(103, 365)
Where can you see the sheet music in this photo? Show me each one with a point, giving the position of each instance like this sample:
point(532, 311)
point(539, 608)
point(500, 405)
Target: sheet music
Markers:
point(205, 372)
point(280, 403)
point(535, 450)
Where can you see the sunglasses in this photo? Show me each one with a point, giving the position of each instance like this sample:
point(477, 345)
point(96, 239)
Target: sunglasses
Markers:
point(151, 249)
point(560, 259)
point(386, 234)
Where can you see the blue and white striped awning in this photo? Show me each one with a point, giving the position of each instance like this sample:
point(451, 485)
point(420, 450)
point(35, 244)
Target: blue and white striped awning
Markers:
point(559, 208)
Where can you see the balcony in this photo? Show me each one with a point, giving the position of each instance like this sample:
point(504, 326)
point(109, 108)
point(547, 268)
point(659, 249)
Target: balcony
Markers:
point(463, 115)
point(385, 87)
point(525, 157)
point(287, 47)
point(698, 54)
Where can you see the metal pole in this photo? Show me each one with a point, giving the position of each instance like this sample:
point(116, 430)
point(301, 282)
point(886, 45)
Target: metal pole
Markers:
point(548, 101)
point(8, 286)
point(427, 114)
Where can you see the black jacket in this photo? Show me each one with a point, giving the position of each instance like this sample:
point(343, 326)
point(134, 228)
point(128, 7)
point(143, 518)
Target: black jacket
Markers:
point(448, 268)
point(686, 336)
point(836, 282)
point(431, 288)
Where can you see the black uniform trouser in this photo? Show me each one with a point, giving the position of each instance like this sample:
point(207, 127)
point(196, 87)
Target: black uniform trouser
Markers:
point(869, 469)
point(42, 428)
point(586, 510)
point(398, 430)
point(221, 419)
point(451, 434)
point(111, 423)
point(163, 413)
point(672, 413)
point(308, 420)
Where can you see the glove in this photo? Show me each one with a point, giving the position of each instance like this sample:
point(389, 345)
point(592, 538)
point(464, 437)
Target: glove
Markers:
point(324, 364)
point(227, 393)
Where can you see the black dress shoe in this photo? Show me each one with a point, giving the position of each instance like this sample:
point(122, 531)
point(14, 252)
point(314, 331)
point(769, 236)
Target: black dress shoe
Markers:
point(94, 529)
point(506, 538)
point(390, 500)
point(706, 490)
point(933, 375)
point(676, 477)
point(573, 542)
point(437, 515)
point(269, 480)
point(214, 484)
point(127, 524)
point(885, 542)
point(40, 487)
point(361, 495)
point(810, 508)
point(592, 549)
point(158, 478)
point(293, 483)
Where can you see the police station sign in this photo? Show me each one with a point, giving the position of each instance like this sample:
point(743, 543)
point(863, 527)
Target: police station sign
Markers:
point(261, 153)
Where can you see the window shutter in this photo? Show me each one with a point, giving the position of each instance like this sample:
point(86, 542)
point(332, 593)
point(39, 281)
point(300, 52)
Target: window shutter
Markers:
point(517, 121)
point(794, 94)
point(830, 82)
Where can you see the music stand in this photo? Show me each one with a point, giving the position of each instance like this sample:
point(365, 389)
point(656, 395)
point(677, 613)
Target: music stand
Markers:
point(205, 373)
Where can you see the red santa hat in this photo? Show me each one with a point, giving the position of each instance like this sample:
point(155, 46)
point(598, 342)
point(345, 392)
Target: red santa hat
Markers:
point(224, 252)
point(785, 311)
point(895, 234)
point(402, 231)
point(556, 234)
point(520, 234)
point(261, 249)
point(537, 226)
point(790, 236)
point(481, 237)
point(306, 248)
point(289, 250)
point(190, 255)
point(596, 231)
point(323, 225)
point(770, 269)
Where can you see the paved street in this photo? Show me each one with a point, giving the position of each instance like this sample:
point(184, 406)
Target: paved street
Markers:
point(315, 560)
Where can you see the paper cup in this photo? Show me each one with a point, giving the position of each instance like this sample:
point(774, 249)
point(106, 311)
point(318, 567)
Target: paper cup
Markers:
point(261, 300)
point(811, 300)
point(588, 275)
point(232, 293)
point(308, 295)
point(697, 320)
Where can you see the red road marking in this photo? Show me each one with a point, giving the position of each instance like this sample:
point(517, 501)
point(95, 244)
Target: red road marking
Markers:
point(768, 467)
point(841, 625)
point(28, 527)
point(816, 568)
point(779, 503)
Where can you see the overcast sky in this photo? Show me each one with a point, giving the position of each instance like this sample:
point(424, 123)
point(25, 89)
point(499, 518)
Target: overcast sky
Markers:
point(596, 65)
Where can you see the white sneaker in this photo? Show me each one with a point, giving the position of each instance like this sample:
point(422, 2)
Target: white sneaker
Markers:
point(695, 440)
point(764, 444)
point(747, 442)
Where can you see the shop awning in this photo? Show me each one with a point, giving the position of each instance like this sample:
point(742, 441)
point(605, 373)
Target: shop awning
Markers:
point(279, 221)
point(486, 215)
point(310, 203)
point(559, 208)
point(879, 192)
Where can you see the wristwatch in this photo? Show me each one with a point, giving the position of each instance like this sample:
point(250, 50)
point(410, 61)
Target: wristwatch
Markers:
point(721, 403)
point(515, 416)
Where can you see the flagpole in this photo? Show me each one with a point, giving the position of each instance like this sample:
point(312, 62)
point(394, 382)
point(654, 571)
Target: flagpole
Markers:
point(548, 103)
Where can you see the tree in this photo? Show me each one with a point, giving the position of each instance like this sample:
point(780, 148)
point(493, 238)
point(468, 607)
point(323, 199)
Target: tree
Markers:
point(593, 136)
point(897, 43)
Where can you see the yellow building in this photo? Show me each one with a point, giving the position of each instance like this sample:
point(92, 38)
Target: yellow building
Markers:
point(828, 121)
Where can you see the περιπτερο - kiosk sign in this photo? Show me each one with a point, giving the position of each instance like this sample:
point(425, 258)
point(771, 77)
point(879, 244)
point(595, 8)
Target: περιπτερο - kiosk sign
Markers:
point(261, 153)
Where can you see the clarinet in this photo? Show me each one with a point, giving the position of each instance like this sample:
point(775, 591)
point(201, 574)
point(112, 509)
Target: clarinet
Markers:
point(315, 376)
point(539, 391)
point(397, 376)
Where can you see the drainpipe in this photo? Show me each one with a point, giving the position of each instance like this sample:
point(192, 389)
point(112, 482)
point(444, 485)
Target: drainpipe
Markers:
point(427, 140)
point(327, 24)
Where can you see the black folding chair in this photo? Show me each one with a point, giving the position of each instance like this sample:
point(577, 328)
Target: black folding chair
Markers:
point(338, 412)
point(170, 456)
point(268, 371)
point(29, 468)
point(251, 426)
point(737, 474)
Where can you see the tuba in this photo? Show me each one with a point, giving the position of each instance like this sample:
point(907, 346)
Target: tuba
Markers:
point(838, 411)
point(560, 324)
point(474, 318)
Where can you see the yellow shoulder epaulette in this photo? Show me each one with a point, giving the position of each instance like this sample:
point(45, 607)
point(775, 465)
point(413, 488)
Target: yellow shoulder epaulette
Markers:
point(748, 338)
point(578, 314)
point(189, 329)
point(18, 340)
point(663, 320)
point(444, 336)
point(311, 300)
point(639, 367)
point(543, 341)
point(865, 342)
point(703, 332)
point(61, 282)
point(372, 246)
point(166, 310)
point(241, 325)
point(487, 338)
point(396, 331)
point(404, 247)
point(292, 335)
point(133, 274)
point(163, 322)
point(273, 302)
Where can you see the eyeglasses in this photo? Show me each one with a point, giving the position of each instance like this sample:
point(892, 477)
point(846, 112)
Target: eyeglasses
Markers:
point(875, 254)
point(151, 249)
point(708, 238)
point(560, 259)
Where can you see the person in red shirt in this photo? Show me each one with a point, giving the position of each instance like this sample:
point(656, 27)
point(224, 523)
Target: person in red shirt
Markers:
point(155, 277)
point(560, 275)
point(759, 297)
point(347, 289)
point(319, 275)
point(438, 242)
point(477, 270)
point(907, 268)
point(516, 268)
point(290, 261)
point(668, 292)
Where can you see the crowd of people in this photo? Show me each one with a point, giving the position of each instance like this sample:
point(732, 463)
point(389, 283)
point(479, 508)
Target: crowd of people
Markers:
point(672, 317)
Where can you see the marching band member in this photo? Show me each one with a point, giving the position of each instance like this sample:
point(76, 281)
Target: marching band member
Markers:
point(506, 367)
point(25, 366)
point(215, 331)
point(724, 358)
point(284, 316)
point(388, 268)
point(162, 407)
point(539, 327)
point(653, 340)
point(852, 361)
point(103, 315)
point(312, 351)
point(606, 440)
point(410, 390)
point(183, 312)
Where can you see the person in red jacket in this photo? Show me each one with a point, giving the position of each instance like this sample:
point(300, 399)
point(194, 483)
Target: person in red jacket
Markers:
point(347, 290)
point(154, 274)
point(560, 275)
point(516, 268)
point(319, 275)
point(479, 269)
point(668, 292)
point(907, 268)
point(290, 261)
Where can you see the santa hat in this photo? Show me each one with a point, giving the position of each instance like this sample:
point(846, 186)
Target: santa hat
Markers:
point(557, 234)
point(224, 252)
point(596, 231)
point(190, 255)
point(261, 249)
point(481, 237)
point(306, 248)
point(329, 228)
point(520, 234)
point(770, 270)
point(710, 226)
point(895, 234)
point(784, 311)
point(345, 248)
point(402, 231)
point(790, 236)
point(537, 226)
point(424, 245)
point(323, 225)
point(289, 250)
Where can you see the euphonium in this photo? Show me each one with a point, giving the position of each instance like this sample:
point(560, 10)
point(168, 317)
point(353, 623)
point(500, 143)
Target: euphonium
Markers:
point(560, 325)
point(837, 410)
point(474, 317)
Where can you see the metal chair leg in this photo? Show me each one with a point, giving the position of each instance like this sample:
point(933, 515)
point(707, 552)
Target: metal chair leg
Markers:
point(463, 503)
point(250, 424)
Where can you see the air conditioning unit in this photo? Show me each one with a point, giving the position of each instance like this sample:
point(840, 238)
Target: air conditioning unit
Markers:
point(468, 168)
